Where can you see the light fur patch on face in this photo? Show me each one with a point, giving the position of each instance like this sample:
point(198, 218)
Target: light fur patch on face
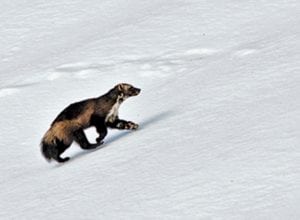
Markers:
point(126, 87)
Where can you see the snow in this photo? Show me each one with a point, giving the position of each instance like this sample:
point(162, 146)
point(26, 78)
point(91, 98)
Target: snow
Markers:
point(218, 113)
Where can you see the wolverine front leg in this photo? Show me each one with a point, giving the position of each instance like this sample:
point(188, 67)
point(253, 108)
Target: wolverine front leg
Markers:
point(123, 125)
point(102, 131)
point(99, 123)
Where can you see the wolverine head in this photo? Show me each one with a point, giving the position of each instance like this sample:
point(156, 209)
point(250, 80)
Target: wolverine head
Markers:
point(126, 90)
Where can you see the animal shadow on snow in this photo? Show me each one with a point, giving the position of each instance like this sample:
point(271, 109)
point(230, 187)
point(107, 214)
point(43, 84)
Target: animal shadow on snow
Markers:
point(121, 134)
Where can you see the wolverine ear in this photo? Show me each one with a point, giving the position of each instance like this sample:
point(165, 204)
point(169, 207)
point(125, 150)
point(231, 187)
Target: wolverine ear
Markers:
point(120, 89)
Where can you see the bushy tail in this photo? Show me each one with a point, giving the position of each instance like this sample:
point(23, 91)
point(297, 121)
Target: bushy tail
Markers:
point(47, 151)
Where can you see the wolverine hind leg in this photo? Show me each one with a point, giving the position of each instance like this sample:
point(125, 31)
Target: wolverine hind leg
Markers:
point(58, 150)
point(82, 140)
point(54, 150)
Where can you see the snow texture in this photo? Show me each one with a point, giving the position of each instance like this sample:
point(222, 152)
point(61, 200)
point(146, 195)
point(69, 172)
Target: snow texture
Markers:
point(219, 111)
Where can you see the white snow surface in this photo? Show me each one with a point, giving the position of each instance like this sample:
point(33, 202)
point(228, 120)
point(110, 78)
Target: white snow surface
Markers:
point(219, 111)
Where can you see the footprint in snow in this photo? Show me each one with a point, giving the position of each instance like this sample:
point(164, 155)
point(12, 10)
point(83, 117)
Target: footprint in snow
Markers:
point(53, 76)
point(200, 52)
point(81, 70)
point(10, 90)
point(244, 52)
point(7, 92)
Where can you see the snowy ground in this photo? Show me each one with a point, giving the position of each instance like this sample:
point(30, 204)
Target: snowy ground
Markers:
point(219, 109)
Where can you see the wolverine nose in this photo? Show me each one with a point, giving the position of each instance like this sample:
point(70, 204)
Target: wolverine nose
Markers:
point(138, 91)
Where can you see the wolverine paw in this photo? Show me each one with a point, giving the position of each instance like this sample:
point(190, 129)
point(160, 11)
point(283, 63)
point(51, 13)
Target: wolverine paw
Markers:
point(131, 126)
point(99, 141)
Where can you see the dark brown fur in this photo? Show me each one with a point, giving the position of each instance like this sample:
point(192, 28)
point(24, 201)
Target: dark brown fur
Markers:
point(101, 112)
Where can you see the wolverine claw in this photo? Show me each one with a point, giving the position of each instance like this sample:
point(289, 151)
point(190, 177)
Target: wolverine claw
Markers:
point(135, 127)
point(99, 141)
point(132, 126)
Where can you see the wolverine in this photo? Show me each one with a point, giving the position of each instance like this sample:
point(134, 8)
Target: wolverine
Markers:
point(100, 112)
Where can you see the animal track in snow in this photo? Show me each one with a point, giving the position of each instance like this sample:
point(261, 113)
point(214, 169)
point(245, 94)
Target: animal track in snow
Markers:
point(8, 91)
point(82, 70)
point(244, 52)
point(84, 74)
point(53, 76)
point(162, 66)
point(153, 73)
point(159, 66)
point(73, 67)
point(15, 49)
point(200, 52)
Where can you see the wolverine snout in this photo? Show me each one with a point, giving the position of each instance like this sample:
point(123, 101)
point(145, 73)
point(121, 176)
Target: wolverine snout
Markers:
point(137, 91)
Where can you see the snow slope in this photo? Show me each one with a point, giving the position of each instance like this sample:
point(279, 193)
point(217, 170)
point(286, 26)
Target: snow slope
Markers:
point(219, 108)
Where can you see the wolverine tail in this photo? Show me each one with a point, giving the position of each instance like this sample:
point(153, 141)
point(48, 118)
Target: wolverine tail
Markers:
point(46, 151)
point(49, 146)
point(49, 151)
